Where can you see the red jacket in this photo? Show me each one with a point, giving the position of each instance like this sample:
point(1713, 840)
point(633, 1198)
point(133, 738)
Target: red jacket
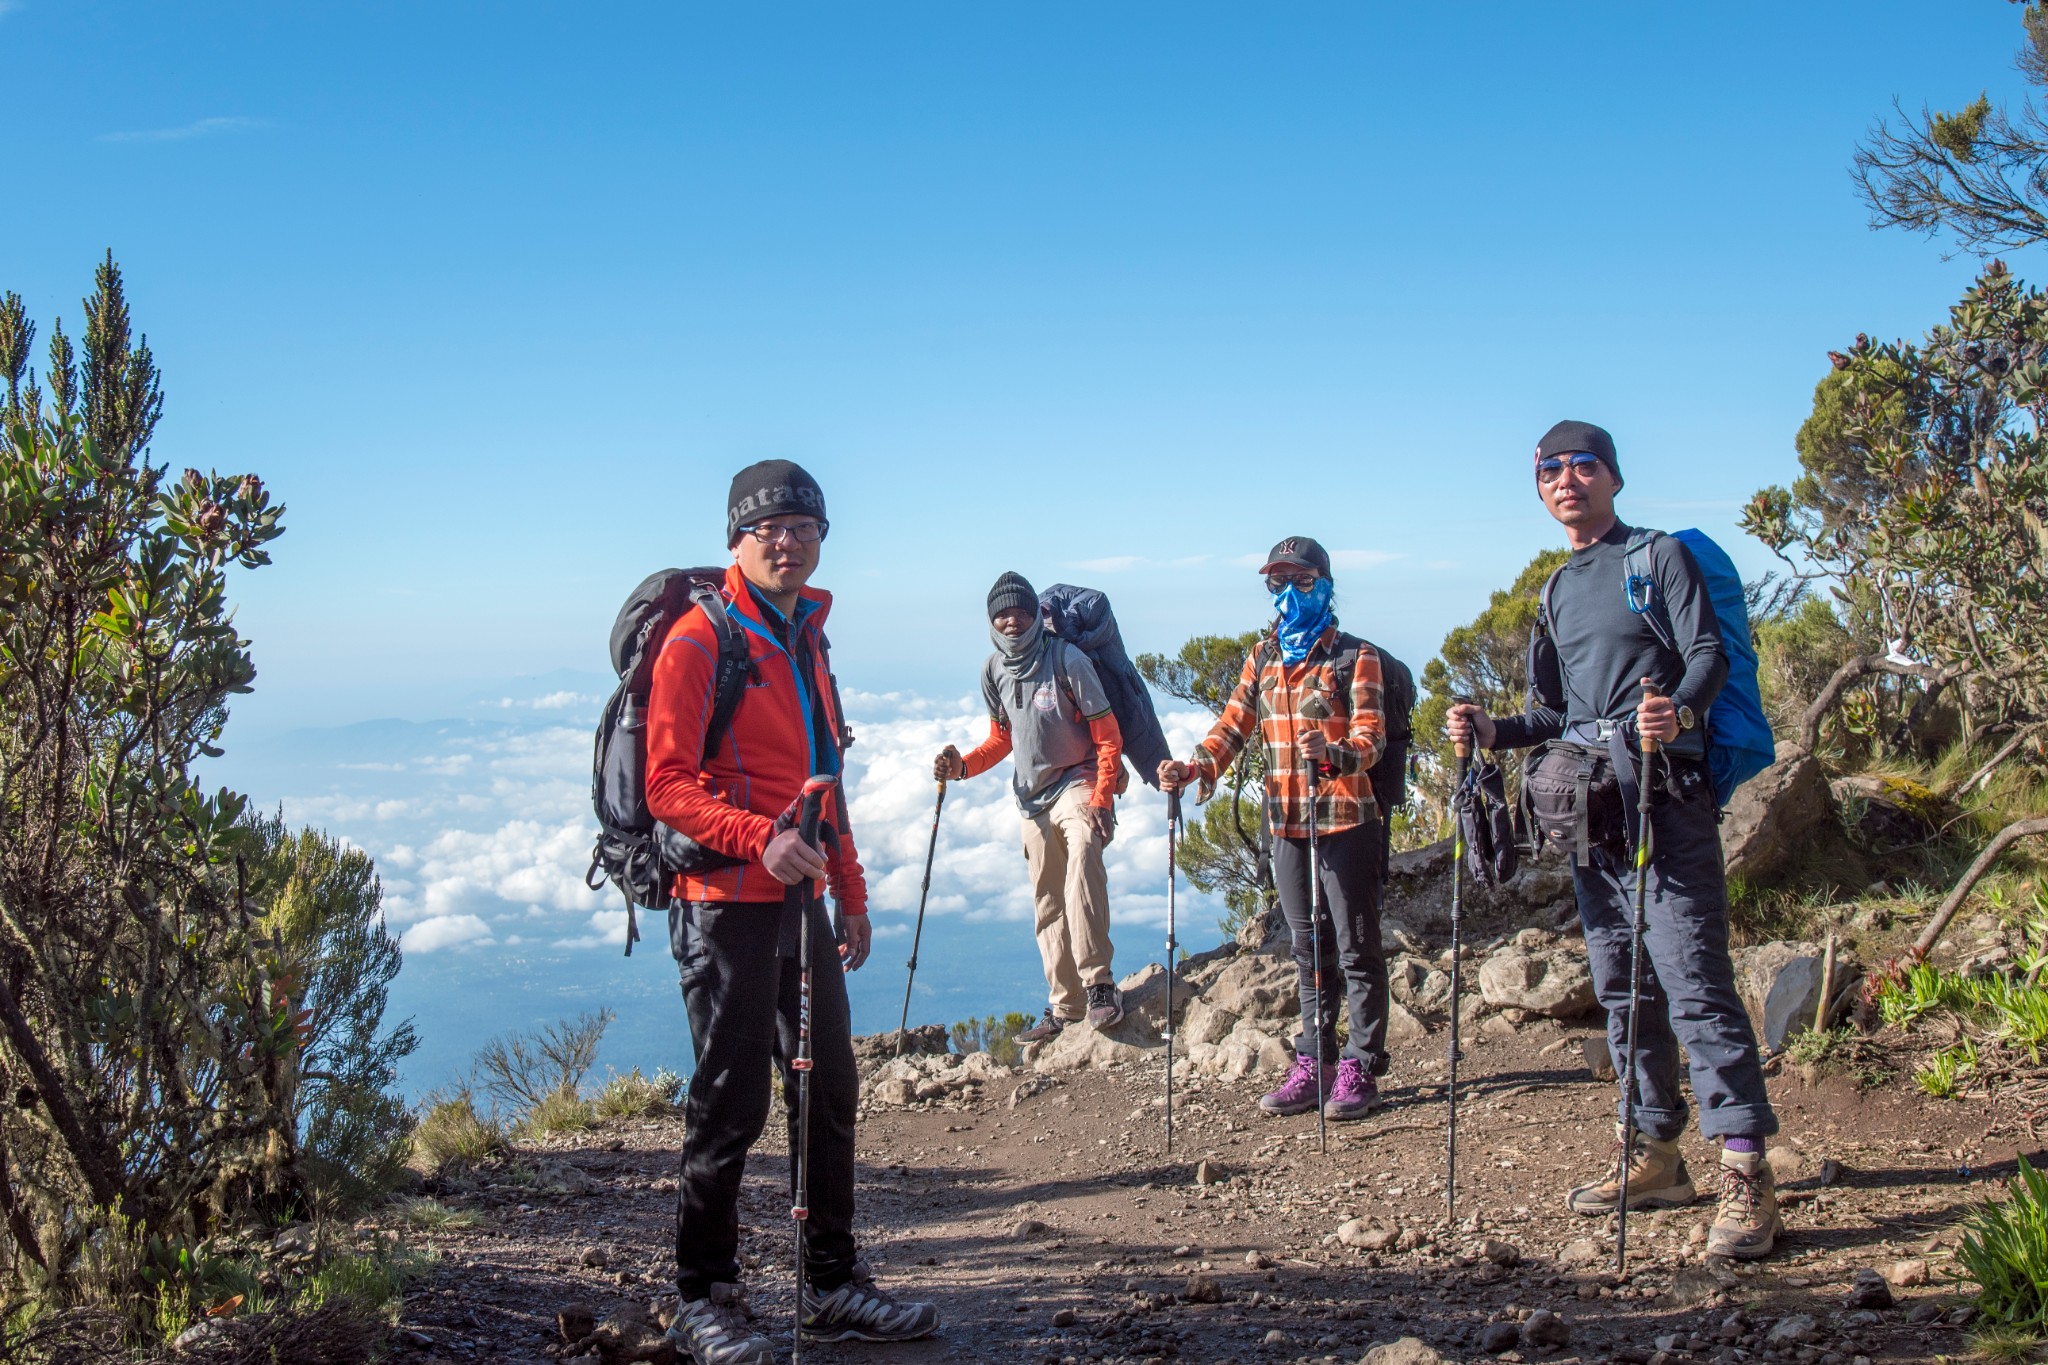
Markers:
point(731, 803)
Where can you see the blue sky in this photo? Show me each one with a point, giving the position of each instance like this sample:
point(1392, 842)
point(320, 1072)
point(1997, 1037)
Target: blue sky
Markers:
point(497, 296)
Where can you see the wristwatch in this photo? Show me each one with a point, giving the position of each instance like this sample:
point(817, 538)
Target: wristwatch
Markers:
point(1686, 718)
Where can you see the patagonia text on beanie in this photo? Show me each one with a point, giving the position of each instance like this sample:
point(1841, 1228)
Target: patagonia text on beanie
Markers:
point(1570, 438)
point(771, 488)
point(1012, 590)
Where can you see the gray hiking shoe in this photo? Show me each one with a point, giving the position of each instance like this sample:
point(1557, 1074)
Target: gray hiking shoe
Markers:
point(1105, 1005)
point(717, 1330)
point(860, 1311)
point(1045, 1030)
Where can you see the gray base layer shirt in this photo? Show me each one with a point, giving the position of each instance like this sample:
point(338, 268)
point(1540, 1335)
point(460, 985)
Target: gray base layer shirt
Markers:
point(1047, 712)
point(1590, 664)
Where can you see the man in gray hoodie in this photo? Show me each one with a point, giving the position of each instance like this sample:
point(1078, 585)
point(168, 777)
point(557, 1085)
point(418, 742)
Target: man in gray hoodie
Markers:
point(1048, 712)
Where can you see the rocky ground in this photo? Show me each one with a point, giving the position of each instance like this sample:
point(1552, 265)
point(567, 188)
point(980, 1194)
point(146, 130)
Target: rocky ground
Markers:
point(1045, 1218)
point(1037, 1205)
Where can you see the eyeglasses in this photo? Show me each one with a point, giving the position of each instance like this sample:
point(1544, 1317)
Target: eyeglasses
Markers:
point(792, 532)
point(1305, 581)
point(1580, 463)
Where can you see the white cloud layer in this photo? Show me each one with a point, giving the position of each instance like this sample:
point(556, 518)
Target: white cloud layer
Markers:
point(482, 832)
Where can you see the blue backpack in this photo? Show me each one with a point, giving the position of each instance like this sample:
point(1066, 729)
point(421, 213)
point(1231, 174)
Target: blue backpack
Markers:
point(1739, 741)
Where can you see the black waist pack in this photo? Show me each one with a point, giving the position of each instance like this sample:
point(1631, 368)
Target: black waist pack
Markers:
point(1573, 800)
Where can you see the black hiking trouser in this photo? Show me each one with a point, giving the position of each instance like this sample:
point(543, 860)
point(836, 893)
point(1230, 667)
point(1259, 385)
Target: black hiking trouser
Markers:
point(1354, 968)
point(740, 983)
point(1689, 998)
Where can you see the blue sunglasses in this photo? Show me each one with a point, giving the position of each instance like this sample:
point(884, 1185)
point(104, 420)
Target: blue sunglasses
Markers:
point(1550, 467)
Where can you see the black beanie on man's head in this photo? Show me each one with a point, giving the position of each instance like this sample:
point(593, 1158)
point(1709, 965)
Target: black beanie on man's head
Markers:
point(1572, 438)
point(772, 488)
point(1012, 590)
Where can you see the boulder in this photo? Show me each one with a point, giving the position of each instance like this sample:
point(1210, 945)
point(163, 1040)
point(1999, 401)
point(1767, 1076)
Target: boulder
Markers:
point(1779, 983)
point(1496, 1337)
point(1256, 986)
point(1554, 983)
point(1402, 1025)
point(1244, 1050)
point(1883, 812)
point(1773, 816)
point(1081, 1045)
point(1204, 1022)
point(1406, 1351)
point(1372, 1234)
point(1264, 931)
point(1144, 993)
point(1396, 937)
point(925, 1038)
point(1544, 1330)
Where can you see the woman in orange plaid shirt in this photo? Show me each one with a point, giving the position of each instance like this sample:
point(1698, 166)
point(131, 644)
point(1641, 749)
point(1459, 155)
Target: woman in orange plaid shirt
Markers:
point(1314, 694)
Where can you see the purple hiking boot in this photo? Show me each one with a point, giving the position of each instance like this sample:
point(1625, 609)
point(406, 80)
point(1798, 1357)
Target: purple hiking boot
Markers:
point(1297, 1094)
point(1355, 1094)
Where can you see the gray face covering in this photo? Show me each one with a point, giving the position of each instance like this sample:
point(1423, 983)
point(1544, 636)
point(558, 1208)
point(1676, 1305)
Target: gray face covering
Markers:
point(1020, 655)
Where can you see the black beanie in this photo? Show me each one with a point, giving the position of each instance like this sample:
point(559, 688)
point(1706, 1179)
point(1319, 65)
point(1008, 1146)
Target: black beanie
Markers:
point(1012, 590)
point(1570, 438)
point(771, 488)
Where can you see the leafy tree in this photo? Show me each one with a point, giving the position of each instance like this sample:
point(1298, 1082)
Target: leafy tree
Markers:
point(329, 955)
point(1949, 546)
point(1487, 660)
point(1205, 672)
point(1980, 172)
point(144, 1038)
point(1227, 846)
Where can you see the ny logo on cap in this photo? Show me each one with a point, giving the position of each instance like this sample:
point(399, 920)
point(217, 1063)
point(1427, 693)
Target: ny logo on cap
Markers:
point(1289, 547)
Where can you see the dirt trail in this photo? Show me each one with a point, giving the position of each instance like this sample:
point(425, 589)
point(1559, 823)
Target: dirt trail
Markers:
point(1013, 1218)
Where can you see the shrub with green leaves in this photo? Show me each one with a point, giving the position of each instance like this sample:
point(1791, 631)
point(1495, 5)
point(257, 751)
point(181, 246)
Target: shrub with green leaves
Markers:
point(2004, 1250)
point(996, 1037)
point(634, 1096)
point(149, 1057)
point(452, 1136)
point(564, 1111)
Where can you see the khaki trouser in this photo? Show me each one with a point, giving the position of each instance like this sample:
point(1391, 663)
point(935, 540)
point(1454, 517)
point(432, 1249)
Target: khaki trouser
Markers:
point(1071, 891)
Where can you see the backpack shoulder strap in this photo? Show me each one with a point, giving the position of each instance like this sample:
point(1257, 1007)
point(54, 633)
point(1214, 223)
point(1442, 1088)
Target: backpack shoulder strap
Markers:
point(1639, 583)
point(735, 660)
point(1545, 619)
point(1262, 654)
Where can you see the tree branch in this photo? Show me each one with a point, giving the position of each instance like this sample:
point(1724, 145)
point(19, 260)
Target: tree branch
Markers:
point(2004, 839)
point(1862, 666)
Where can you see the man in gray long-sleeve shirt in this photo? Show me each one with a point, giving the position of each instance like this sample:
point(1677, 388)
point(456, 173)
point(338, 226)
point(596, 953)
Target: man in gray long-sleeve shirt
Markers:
point(1592, 652)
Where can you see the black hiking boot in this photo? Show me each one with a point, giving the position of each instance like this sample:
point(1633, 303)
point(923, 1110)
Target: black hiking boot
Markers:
point(1105, 1005)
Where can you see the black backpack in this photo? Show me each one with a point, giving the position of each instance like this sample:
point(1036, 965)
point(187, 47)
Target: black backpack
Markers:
point(635, 852)
point(1082, 617)
point(1397, 700)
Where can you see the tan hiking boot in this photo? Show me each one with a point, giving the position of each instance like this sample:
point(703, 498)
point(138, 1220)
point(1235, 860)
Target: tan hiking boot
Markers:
point(1746, 1225)
point(1656, 1180)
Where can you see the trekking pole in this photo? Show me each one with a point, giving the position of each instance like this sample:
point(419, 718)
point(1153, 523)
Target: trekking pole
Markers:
point(917, 936)
point(1635, 987)
point(813, 801)
point(1315, 938)
point(1464, 750)
point(1172, 835)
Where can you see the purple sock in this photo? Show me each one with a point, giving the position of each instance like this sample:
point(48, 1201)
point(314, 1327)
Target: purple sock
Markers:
point(1743, 1144)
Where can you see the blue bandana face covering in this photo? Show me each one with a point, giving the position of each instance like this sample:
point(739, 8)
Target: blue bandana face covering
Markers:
point(1304, 616)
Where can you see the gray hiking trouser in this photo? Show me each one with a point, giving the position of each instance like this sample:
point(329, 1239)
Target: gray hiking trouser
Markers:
point(1688, 982)
point(1354, 968)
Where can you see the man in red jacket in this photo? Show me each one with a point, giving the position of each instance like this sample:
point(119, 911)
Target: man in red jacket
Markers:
point(734, 934)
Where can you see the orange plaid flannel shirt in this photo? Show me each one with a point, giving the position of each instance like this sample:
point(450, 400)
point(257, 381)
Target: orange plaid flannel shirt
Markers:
point(1292, 697)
